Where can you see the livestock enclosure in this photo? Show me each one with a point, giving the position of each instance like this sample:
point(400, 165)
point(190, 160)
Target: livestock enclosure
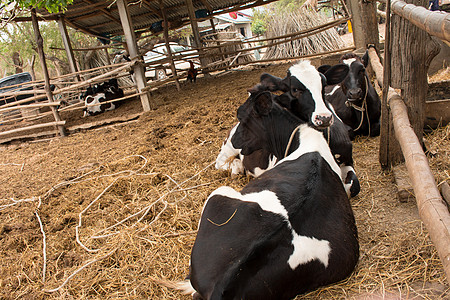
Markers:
point(113, 207)
point(135, 192)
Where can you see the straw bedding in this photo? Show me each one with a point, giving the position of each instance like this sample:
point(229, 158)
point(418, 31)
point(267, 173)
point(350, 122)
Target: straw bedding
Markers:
point(132, 196)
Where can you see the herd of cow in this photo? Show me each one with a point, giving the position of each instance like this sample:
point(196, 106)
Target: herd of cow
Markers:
point(291, 229)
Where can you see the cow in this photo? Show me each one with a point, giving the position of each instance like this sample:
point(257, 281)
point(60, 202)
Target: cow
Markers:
point(290, 231)
point(354, 99)
point(94, 97)
point(300, 102)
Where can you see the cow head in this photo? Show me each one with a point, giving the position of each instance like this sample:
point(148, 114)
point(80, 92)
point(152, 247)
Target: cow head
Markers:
point(354, 85)
point(263, 124)
point(93, 99)
point(304, 91)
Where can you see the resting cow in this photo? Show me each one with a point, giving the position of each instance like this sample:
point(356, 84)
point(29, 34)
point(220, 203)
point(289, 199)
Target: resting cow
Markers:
point(355, 100)
point(99, 94)
point(304, 88)
point(290, 231)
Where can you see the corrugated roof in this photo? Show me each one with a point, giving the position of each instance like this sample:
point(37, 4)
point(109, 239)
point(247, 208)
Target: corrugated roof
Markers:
point(101, 18)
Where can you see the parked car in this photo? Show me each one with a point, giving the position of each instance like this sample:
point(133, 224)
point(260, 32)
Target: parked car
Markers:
point(159, 52)
point(13, 81)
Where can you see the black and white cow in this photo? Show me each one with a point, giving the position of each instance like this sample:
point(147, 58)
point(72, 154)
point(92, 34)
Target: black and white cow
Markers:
point(290, 231)
point(354, 99)
point(94, 97)
point(304, 89)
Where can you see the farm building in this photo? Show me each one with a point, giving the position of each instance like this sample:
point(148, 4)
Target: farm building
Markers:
point(108, 206)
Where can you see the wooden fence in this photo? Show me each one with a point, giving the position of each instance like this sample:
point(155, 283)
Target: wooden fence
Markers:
point(432, 208)
point(221, 53)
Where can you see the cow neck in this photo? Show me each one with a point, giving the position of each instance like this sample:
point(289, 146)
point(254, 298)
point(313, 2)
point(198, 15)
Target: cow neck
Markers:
point(279, 128)
point(363, 107)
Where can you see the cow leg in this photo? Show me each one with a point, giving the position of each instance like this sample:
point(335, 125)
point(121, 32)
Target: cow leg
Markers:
point(350, 180)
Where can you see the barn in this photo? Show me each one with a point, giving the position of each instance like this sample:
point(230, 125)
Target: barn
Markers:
point(112, 209)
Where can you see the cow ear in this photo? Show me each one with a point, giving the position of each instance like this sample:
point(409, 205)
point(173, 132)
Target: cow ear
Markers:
point(336, 74)
point(272, 83)
point(365, 59)
point(284, 100)
point(263, 103)
point(323, 68)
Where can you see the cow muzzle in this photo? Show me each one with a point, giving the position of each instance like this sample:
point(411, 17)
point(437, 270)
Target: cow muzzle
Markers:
point(354, 94)
point(322, 121)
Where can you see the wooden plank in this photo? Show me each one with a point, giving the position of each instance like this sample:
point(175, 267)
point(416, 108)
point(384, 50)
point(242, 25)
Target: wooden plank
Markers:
point(37, 126)
point(405, 191)
point(121, 119)
point(437, 113)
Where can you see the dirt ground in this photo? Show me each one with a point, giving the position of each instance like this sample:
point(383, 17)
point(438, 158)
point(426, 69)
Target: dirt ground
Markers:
point(119, 205)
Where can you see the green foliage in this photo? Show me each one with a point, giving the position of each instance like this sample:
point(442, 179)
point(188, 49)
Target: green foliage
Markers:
point(259, 27)
point(53, 6)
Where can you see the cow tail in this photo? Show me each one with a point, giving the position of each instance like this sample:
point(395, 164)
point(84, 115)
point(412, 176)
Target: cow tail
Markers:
point(184, 287)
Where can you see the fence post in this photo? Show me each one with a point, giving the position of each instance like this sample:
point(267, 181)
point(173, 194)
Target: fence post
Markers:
point(412, 50)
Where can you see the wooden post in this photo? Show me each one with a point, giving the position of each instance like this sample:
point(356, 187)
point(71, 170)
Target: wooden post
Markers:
point(387, 140)
point(40, 42)
point(370, 27)
point(130, 38)
point(166, 39)
point(68, 46)
point(357, 27)
point(194, 26)
point(410, 74)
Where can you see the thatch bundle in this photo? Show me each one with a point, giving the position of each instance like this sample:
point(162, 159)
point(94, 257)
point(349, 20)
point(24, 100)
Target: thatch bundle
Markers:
point(230, 46)
point(296, 21)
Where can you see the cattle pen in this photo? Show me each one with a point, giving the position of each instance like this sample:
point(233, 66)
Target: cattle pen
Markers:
point(106, 212)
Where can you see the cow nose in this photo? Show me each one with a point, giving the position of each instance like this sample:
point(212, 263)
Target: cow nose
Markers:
point(354, 93)
point(323, 120)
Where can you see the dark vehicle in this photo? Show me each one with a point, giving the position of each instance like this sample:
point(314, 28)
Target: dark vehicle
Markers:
point(13, 82)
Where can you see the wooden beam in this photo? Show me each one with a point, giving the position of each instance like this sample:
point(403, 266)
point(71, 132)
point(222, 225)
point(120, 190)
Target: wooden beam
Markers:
point(37, 126)
point(432, 209)
point(195, 31)
point(105, 11)
point(166, 39)
point(68, 46)
point(40, 42)
point(130, 37)
point(435, 23)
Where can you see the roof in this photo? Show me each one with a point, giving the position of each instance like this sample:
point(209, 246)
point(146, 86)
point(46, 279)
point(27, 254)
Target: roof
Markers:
point(101, 18)
point(240, 18)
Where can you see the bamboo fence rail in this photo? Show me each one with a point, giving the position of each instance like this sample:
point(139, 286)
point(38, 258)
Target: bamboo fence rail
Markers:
point(436, 23)
point(432, 209)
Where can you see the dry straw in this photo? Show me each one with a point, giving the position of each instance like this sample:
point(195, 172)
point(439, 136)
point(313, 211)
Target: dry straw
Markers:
point(139, 190)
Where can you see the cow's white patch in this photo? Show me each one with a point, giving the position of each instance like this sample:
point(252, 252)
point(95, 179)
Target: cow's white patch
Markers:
point(306, 248)
point(224, 160)
point(344, 172)
point(258, 171)
point(336, 87)
point(310, 77)
point(312, 140)
point(349, 61)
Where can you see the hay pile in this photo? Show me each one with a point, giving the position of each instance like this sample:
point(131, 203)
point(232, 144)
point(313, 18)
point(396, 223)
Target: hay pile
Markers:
point(139, 189)
point(301, 19)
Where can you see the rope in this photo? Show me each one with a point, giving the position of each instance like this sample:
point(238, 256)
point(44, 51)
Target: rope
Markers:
point(363, 107)
point(290, 139)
